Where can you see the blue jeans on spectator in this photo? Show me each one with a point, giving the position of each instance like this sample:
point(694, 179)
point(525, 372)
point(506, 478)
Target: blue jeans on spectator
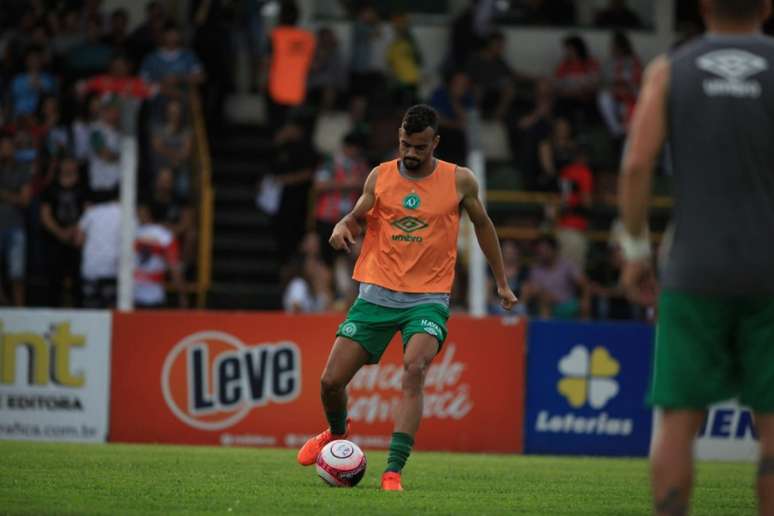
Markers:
point(13, 250)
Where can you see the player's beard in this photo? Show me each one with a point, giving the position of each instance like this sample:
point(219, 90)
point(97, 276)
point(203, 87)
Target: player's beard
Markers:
point(411, 163)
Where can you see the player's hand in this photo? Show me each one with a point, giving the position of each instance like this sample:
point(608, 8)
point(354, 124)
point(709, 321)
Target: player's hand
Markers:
point(507, 298)
point(342, 238)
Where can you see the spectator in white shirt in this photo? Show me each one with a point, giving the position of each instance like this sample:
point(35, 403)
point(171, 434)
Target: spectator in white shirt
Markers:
point(99, 233)
point(308, 281)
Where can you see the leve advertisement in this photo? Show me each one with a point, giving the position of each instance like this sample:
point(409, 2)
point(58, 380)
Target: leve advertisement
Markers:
point(253, 379)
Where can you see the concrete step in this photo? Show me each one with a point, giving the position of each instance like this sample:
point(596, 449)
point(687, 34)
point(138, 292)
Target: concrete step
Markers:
point(239, 268)
point(246, 109)
point(243, 170)
point(241, 243)
point(231, 197)
point(241, 218)
point(245, 296)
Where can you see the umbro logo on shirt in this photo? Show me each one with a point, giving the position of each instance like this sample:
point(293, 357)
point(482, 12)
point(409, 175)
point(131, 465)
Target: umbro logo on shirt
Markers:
point(735, 67)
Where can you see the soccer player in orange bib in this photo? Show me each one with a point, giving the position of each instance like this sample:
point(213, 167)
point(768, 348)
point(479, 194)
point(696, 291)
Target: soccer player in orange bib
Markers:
point(411, 207)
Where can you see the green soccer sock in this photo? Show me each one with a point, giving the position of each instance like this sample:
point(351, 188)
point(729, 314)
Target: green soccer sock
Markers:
point(337, 422)
point(400, 449)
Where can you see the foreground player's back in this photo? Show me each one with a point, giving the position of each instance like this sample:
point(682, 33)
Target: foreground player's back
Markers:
point(721, 133)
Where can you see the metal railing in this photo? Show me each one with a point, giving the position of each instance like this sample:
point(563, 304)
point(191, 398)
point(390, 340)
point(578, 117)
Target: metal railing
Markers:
point(203, 162)
point(540, 198)
point(510, 197)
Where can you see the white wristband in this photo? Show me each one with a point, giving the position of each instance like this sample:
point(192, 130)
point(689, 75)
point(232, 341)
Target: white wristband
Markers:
point(635, 249)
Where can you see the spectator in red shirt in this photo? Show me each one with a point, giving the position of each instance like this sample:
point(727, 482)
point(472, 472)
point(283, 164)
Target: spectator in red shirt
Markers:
point(577, 80)
point(338, 185)
point(576, 185)
point(173, 211)
point(118, 81)
point(156, 255)
point(555, 152)
point(621, 76)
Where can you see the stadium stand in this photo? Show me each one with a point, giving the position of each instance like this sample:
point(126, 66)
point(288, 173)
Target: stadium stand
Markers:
point(246, 189)
point(70, 96)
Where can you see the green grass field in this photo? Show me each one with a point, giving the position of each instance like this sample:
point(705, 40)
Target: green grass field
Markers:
point(121, 479)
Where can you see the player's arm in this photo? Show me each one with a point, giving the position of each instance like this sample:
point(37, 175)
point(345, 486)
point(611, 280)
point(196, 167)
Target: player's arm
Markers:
point(467, 186)
point(348, 228)
point(646, 139)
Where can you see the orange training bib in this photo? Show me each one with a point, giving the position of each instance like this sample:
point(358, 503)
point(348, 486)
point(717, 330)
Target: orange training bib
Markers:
point(410, 243)
point(293, 50)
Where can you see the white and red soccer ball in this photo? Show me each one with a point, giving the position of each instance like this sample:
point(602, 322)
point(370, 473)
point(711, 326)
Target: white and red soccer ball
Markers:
point(341, 463)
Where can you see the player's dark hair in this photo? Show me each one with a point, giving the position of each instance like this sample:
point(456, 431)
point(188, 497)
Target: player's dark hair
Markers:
point(420, 117)
point(737, 9)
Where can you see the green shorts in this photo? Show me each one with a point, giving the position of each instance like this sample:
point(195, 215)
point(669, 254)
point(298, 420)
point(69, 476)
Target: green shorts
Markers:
point(373, 326)
point(713, 348)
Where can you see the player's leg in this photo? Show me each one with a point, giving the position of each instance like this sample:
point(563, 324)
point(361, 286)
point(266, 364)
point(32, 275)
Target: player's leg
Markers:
point(424, 331)
point(420, 350)
point(346, 359)
point(765, 481)
point(672, 461)
point(756, 336)
point(694, 366)
point(361, 339)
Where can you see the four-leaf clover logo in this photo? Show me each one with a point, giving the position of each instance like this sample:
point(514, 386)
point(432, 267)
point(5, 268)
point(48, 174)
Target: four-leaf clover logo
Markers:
point(588, 377)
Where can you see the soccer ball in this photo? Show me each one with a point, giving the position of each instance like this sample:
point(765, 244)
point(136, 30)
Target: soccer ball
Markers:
point(341, 463)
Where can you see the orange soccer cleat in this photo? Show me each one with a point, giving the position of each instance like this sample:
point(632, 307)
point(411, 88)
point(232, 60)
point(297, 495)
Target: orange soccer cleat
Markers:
point(308, 453)
point(391, 481)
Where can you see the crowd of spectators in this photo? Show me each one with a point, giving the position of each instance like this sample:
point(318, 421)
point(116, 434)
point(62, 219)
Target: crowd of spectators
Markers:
point(75, 79)
point(547, 120)
point(74, 82)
